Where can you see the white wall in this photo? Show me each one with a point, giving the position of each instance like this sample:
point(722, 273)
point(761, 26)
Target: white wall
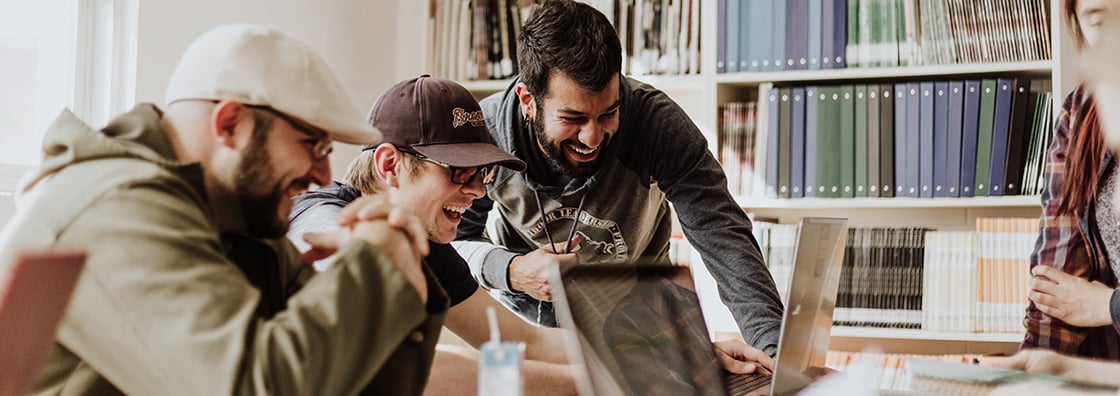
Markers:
point(359, 39)
point(7, 209)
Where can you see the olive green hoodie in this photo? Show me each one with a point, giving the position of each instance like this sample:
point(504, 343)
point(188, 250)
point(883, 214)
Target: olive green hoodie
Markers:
point(168, 306)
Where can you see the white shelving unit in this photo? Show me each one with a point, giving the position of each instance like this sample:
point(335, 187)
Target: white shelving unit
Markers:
point(1019, 201)
point(855, 339)
point(749, 78)
point(485, 87)
point(701, 95)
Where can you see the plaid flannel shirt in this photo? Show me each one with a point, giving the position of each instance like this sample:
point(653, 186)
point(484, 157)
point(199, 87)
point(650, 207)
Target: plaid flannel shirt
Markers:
point(1062, 244)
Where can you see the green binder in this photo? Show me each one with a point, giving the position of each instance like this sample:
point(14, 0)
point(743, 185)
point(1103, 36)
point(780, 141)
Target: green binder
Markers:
point(984, 136)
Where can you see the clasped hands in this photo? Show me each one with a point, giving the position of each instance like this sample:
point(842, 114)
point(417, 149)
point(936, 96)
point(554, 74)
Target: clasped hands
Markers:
point(391, 229)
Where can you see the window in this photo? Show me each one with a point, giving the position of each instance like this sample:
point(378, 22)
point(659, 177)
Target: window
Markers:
point(55, 54)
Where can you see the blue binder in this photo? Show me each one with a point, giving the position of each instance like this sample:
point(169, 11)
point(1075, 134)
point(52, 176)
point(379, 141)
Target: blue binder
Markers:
point(925, 139)
point(784, 141)
point(840, 34)
point(913, 138)
point(778, 51)
point(731, 20)
point(721, 36)
point(953, 139)
point(969, 128)
point(940, 137)
point(1000, 127)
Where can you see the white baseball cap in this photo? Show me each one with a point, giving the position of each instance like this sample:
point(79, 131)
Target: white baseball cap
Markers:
point(258, 65)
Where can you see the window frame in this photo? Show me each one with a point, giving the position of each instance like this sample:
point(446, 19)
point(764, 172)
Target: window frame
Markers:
point(104, 81)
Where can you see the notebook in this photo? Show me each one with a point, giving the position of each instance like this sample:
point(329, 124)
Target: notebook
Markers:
point(32, 300)
point(961, 378)
point(639, 330)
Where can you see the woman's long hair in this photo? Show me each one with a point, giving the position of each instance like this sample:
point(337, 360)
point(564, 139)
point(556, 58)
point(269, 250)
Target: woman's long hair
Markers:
point(1085, 154)
point(1084, 159)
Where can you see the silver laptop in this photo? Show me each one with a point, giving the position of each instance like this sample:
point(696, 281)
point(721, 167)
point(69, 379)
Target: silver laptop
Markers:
point(638, 329)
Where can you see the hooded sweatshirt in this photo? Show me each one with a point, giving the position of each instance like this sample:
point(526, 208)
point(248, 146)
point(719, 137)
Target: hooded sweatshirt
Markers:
point(167, 306)
point(658, 156)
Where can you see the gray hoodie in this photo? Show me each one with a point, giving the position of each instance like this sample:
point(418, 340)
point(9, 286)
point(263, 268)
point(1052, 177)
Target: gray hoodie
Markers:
point(658, 156)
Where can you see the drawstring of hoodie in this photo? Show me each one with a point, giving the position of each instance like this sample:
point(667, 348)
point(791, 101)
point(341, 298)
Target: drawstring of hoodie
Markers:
point(567, 244)
point(571, 232)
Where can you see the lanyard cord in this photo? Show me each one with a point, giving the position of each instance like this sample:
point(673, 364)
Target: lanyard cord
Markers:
point(571, 232)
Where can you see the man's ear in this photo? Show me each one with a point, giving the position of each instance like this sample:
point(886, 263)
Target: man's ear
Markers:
point(528, 105)
point(225, 119)
point(388, 164)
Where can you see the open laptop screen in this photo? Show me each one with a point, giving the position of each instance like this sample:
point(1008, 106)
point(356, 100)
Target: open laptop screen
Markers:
point(807, 320)
point(643, 325)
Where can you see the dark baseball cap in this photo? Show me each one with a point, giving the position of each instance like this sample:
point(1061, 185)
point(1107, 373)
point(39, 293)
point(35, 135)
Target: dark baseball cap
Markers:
point(440, 119)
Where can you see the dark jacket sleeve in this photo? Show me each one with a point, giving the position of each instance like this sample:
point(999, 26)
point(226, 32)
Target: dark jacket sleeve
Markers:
point(677, 157)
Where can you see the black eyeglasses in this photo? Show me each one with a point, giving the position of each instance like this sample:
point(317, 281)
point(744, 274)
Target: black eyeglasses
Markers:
point(459, 175)
point(320, 142)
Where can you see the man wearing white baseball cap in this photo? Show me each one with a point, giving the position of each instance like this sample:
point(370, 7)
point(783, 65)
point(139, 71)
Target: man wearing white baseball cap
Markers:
point(190, 287)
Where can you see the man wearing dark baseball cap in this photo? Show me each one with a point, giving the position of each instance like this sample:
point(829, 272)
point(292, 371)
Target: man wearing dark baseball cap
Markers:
point(435, 159)
point(188, 288)
point(438, 119)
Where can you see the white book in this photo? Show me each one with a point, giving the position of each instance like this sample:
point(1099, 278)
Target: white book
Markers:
point(463, 49)
point(694, 37)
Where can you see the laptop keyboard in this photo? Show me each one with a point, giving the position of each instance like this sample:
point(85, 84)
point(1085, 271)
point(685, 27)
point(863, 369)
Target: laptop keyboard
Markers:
point(738, 384)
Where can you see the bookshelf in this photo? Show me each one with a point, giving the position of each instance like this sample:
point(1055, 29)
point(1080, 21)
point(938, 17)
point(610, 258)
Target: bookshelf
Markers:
point(1016, 201)
point(855, 339)
point(865, 73)
point(703, 94)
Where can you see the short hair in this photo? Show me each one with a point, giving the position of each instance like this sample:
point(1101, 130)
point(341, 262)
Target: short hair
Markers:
point(571, 38)
point(361, 176)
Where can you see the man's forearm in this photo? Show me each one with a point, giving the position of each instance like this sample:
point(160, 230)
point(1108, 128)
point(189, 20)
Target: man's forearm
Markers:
point(489, 263)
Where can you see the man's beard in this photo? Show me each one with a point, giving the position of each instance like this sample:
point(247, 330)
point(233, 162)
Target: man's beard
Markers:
point(259, 211)
point(554, 151)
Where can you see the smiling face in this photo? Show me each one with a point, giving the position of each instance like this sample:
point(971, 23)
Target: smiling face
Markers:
point(264, 187)
point(573, 126)
point(425, 189)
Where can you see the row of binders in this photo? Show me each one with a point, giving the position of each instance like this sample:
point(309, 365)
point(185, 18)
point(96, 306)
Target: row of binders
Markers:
point(916, 278)
point(773, 35)
point(958, 138)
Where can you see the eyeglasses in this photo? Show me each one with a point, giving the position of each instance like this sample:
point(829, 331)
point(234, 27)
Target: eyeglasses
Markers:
point(320, 142)
point(459, 175)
